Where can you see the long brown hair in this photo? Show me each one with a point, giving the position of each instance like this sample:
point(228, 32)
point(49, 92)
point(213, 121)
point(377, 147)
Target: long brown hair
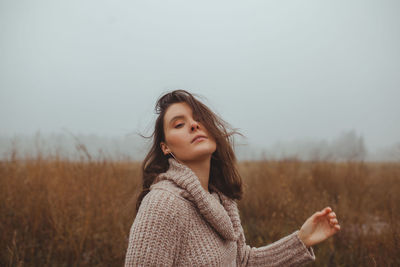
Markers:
point(223, 171)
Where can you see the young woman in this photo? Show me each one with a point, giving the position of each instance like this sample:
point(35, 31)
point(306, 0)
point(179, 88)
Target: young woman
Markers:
point(187, 213)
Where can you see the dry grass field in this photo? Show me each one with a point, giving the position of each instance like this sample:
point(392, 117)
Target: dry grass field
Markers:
point(56, 212)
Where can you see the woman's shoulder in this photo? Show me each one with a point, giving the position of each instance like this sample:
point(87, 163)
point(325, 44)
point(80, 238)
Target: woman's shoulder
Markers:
point(164, 196)
point(167, 187)
point(160, 207)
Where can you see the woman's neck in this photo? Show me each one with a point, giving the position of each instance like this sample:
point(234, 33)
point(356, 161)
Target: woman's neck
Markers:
point(202, 171)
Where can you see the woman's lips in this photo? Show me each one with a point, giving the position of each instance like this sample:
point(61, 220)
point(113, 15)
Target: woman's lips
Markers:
point(199, 139)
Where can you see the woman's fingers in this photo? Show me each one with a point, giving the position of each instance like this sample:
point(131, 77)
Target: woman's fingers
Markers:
point(333, 221)
point(329, 215)
point(332, 215)
point(323, 212)
point(327, 210)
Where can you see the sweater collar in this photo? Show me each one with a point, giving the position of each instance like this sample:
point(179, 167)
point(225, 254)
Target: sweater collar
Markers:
point(222, 216)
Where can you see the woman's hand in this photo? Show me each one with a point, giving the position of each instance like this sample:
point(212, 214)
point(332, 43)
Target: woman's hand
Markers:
point(319, 227)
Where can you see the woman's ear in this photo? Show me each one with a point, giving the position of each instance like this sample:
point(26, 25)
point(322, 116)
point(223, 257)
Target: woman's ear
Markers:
point(164, 148)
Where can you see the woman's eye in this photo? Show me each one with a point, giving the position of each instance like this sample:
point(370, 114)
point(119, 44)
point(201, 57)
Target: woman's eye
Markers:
point(178, 125)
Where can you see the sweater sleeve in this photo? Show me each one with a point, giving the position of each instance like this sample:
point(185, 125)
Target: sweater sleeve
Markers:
point(288, 251)
point(155, 233)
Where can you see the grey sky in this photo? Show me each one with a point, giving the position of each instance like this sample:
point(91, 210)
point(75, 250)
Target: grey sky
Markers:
point(278, 70)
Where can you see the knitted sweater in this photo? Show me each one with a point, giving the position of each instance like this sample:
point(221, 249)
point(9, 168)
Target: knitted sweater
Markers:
point(181, 224)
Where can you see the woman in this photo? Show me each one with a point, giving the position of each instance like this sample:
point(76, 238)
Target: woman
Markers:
point(187, 213)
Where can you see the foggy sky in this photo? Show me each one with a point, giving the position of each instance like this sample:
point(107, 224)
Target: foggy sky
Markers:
point(277, 70)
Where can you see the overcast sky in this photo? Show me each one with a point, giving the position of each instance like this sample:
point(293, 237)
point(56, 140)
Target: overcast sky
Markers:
point(277, 70)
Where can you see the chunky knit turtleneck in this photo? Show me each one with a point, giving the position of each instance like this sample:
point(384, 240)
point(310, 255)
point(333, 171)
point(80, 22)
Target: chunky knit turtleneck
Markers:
point(181, 224)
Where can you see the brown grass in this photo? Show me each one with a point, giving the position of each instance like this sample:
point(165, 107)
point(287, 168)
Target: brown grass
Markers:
point(56, 212)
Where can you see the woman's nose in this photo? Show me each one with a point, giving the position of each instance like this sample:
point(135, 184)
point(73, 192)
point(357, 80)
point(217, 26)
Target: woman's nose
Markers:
point(195, 125)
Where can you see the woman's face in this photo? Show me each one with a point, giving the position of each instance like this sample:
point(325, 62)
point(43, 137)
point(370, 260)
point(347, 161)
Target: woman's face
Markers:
point(180, 131)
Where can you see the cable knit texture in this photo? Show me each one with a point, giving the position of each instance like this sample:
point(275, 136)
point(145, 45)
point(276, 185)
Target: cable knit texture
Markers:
point(181, 224)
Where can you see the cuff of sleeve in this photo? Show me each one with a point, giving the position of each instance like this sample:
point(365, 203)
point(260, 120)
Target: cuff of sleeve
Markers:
point(309, 252)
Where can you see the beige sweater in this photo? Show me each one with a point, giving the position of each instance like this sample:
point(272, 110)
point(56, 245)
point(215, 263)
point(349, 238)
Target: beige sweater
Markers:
point(180, 224)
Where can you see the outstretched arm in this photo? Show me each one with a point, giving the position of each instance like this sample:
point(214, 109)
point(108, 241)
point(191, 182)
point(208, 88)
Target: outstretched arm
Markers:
point(287, 251)
point(294, 249)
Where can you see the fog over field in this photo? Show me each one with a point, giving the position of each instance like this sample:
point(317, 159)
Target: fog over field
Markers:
point(346, 146)
point(308, 78)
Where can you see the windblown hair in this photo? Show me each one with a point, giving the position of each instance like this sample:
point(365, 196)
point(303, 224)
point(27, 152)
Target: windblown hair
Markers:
point(224, 174)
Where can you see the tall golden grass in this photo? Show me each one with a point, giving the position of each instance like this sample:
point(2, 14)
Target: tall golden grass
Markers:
point(57, 212)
